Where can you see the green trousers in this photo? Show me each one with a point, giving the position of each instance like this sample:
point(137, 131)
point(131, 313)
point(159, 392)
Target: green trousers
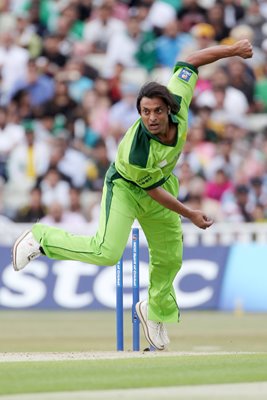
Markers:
point(122, 203)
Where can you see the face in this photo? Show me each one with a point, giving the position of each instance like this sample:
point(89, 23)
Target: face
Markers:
point(154, 114)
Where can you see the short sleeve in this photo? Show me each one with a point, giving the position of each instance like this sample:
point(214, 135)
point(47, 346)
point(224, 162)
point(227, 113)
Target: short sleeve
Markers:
point(183, 82)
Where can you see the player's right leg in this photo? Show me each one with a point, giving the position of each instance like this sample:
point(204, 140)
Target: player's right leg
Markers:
point(118, 210)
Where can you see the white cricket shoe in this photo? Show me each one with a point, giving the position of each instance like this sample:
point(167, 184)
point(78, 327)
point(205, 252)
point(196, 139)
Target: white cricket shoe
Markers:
point(164, 335)
point(151, 329)
point(25, 249)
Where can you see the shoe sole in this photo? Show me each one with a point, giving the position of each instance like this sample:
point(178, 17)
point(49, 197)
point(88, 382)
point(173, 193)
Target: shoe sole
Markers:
point(144, 326)
point(14, 250)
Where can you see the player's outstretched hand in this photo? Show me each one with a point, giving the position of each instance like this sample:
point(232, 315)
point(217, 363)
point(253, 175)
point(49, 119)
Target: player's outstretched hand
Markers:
point(243, 48)
point(200, 219)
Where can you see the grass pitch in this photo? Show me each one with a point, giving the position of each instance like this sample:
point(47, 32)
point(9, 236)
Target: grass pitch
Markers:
point(206, 335)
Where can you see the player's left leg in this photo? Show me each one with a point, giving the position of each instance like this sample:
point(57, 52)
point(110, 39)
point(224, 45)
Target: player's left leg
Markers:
point(163, 231)
point(165, 245)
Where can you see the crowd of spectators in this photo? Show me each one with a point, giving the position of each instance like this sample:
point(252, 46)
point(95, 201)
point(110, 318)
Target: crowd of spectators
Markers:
point(70, 71)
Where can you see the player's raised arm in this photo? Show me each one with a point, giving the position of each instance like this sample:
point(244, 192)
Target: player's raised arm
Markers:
point(242, 48)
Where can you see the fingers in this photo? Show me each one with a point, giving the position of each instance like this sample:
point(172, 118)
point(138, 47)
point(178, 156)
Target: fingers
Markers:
point(207, 222)
point(247, 48)
point(201, 220)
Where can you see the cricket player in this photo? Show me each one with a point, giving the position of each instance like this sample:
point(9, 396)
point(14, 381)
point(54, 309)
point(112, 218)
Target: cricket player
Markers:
point(140, 185)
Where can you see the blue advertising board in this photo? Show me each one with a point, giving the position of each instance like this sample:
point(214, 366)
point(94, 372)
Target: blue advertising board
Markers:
point(52, 284)
point(211, 277)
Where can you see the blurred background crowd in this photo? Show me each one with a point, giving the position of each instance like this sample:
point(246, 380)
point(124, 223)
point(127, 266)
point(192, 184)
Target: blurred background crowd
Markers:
point(70, 71)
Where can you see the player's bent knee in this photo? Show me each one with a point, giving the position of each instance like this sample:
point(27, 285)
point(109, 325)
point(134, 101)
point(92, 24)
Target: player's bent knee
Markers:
point(111, 260)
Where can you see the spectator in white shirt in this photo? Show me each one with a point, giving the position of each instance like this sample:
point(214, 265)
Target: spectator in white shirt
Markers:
point(11, 135)
point(99, 31)
point(54, 189)
point(13, 62)
point(222, 96)
point(29, 160)
point(61, 217)
point(69, 162)
point(123, 46)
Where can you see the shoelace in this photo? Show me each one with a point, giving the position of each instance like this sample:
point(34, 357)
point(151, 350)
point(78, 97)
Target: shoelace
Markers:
point(33, 255)
point(158, 330)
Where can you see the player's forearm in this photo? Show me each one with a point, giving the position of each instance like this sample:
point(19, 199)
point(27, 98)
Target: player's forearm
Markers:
point(243, 49)
point(167, 200)
point(209, 55)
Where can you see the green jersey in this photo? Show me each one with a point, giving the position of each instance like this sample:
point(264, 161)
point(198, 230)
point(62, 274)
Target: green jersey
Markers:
point(142, 158)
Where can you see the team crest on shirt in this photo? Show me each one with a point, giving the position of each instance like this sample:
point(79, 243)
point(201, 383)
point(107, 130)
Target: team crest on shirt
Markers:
point(185, 74)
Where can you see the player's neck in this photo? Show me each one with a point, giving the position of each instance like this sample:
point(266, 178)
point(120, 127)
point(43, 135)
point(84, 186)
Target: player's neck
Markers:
point(169, 136)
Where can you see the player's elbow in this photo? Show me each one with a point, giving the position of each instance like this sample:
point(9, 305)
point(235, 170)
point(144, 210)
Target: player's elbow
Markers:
point(192, 59)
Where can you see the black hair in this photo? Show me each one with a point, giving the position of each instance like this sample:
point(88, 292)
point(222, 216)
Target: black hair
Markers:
point(154, 89)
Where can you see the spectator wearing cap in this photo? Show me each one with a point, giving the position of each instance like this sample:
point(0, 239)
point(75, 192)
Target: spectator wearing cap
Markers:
point(203, 35)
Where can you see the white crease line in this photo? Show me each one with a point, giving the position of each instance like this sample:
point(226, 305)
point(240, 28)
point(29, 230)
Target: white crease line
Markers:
point(74, 356)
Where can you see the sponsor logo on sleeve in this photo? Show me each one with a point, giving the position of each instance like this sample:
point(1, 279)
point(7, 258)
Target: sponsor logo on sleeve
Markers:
point(185, 74)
